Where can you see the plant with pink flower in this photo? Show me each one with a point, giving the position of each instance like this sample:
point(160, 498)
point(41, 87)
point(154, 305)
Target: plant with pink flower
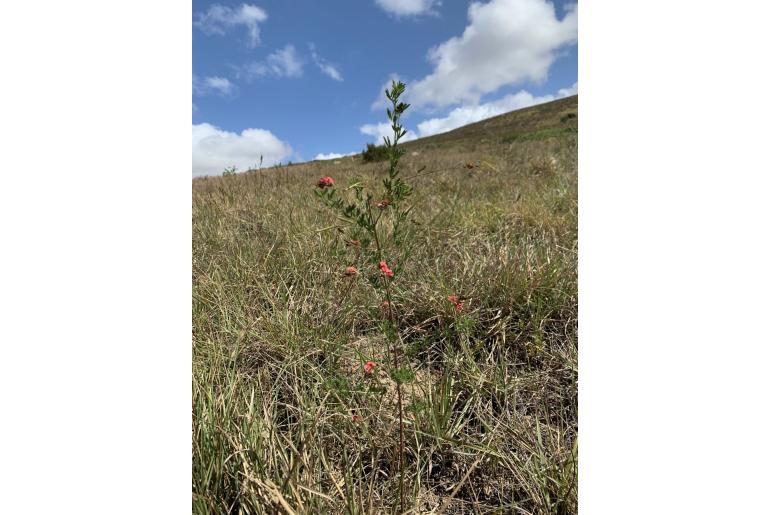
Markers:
point(384, 218)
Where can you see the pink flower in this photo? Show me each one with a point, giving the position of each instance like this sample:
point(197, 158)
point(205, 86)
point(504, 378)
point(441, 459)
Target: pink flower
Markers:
point(351, 271)
point(325, 182)
point(458, 303)
point(369, 367)
point(385, 270)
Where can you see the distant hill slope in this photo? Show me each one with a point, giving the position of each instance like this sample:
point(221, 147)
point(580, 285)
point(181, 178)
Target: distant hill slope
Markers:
point(493, 136)
point(536, 120)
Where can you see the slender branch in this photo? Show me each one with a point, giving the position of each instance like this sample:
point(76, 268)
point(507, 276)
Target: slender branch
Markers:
point(394, 326)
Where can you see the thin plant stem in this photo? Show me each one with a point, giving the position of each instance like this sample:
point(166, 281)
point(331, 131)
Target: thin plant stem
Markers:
point(394, 325)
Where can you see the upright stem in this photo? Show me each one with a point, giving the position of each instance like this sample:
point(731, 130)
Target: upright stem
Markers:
point(398, 395)
point(392, 319)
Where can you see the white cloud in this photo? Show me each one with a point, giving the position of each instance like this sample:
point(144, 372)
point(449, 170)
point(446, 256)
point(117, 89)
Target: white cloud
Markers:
point(219, 18)
point(332, 155)
point(474, 113)
point(408, 7)
point(505, 42)
point(214, 149)
point(281, 63)
point(325, 67)
point(380, 130)
point(331, 71)
point(206, 85)
point(220, 84)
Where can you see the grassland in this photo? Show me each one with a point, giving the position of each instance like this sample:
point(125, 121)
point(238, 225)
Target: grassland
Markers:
point(284, 418)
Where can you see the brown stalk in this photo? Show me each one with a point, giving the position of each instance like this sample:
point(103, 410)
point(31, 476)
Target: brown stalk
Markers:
point(393, 323)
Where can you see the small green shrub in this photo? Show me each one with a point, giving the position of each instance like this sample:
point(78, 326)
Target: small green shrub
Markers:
point(374, 153)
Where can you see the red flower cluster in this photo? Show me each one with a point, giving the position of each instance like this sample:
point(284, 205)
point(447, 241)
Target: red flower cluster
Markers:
point(351, 271)
point(382, 204)
point(369, 367)
point(357, 419)
point(458, 303)
point(385, 270)
point(325, 182)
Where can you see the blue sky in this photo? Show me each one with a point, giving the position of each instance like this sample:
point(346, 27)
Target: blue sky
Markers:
point(295, 80)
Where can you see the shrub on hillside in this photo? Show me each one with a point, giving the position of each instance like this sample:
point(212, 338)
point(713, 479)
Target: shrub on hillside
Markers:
point(373, 153)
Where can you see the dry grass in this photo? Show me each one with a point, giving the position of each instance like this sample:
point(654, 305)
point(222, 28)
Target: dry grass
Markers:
point(279, 334)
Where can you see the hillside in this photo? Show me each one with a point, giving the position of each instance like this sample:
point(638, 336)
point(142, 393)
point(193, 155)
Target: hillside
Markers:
point(286, 418)
point(532, 121)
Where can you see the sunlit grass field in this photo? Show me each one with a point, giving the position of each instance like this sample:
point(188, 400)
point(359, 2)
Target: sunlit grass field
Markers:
point(285, 420)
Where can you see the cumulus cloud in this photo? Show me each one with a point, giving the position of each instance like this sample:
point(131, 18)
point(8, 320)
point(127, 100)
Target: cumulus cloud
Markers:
point(219, 19)
point(505, 42)
point(332, 155)
point(281, 63)
point(474, 113)
point(217, 85)
point(408, 7)
point(380, 130)
point(325, 67)
point(214, 149)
